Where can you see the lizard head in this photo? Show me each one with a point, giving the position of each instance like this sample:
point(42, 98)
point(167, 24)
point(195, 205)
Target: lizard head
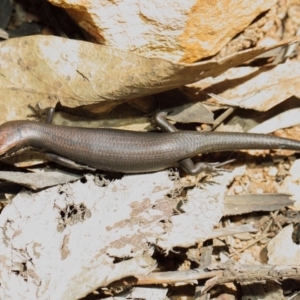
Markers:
point(11, 137)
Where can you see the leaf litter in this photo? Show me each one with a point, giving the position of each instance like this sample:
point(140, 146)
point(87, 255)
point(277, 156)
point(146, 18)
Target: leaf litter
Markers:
point(79, 73)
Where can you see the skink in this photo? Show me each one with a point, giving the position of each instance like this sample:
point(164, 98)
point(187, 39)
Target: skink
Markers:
point(129, 151)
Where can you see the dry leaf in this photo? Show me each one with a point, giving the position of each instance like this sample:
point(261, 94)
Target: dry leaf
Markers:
point(191, 112)
point(290, 184)
point(144, 293)
point(282, 250)
point(241, 204)
point(259, 88)
point(288, 118)
point(232, 230)
point(40, 180)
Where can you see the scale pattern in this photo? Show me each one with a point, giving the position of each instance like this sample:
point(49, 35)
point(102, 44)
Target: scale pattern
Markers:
point(128, 151)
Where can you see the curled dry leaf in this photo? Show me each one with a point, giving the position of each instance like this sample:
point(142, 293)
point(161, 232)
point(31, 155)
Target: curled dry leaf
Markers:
point(287, 118)
point(40, 180)
point(50, 69)
point(259, 88)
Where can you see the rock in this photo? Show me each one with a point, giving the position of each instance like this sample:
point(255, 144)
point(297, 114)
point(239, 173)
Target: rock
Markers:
point(184, 31)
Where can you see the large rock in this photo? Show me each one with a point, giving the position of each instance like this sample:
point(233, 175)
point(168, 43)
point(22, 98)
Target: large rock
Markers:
point(178, 30)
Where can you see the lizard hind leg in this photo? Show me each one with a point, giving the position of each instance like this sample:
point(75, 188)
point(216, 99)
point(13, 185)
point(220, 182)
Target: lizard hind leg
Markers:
point(187, 164)
point(209, 168)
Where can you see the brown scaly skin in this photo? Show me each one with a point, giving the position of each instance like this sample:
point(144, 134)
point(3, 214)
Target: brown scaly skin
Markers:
point(128, 151)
